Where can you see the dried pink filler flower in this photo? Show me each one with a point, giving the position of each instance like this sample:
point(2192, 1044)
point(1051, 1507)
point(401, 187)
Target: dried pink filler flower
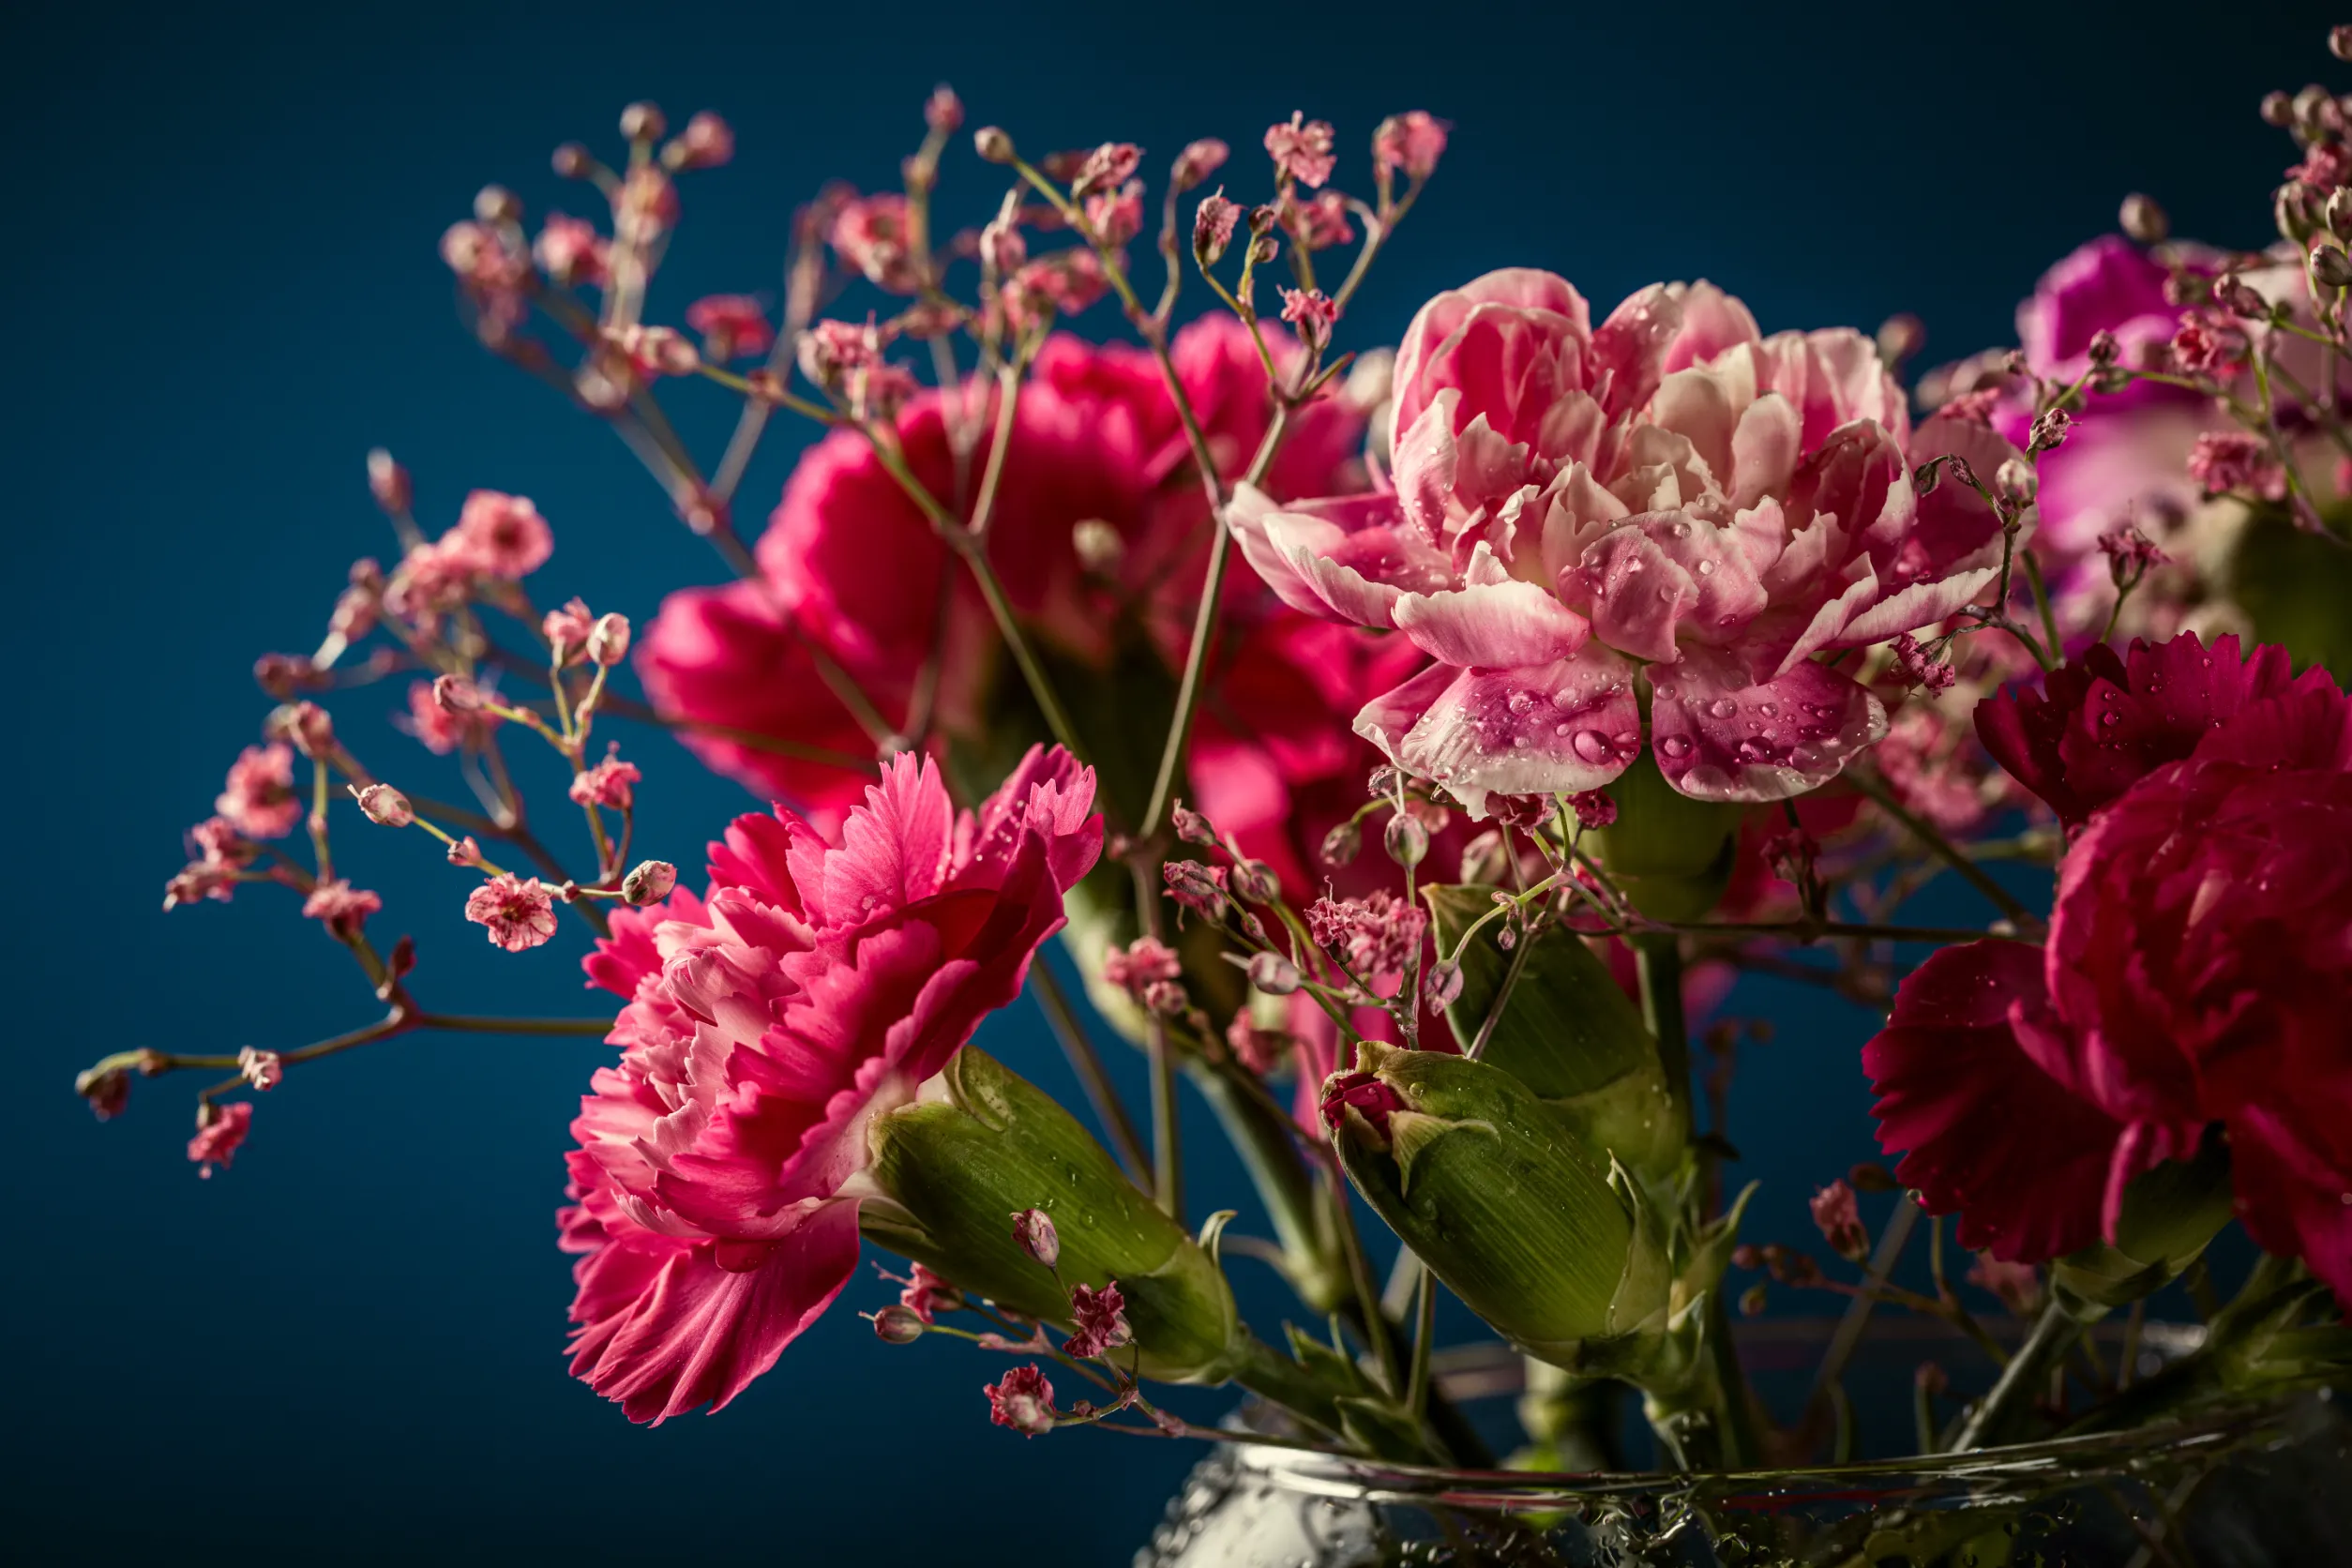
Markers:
point(503, 536)
point(1669, 496)
point(343, 909)
point(610, 782)
point(1141, 962)
point(220, 1133)
point(259, 800)
point(1022, 1400)
point(1100, 1319)
point(1412, 141)
point(2237, 461)
point(733, 327)
point(517, 911)
point(1375, 936)
point(1300, 149)
point(925, 1295)
point(1839, 1219)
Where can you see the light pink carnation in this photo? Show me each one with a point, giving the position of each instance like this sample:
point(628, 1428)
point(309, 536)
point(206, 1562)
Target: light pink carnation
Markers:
point(817, 986)
point(1671, 498)
point(517, 911)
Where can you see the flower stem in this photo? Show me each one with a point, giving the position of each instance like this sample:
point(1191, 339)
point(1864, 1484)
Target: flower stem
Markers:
point(1997, 1417)
point(1658, 964)
point(1944, 849)
point(1088, 1064)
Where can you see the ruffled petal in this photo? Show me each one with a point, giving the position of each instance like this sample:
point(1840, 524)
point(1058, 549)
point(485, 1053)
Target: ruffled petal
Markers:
point(1348, 558)
point(1988, 1134)
point(1508, 622)
point(1568, 726)
point(1718, 736)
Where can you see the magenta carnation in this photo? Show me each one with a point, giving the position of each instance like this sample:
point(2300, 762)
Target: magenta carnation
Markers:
point(1670, 495)
point(2196, 974)
point(815, 988)
point(2102, 722)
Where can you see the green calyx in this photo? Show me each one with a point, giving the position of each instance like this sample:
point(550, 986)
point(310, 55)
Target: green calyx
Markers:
point(1566, 1029)
point(983, 1144)
point(1672, 855)
point(2170, 1212)
point(1535, 1233)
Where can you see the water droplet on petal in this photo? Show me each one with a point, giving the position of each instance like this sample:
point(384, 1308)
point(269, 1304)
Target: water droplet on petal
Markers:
point(1706, 569)
point(1722, 707)
point(1560, 729)
point(1593, 745)
point(1767, 709)
point(1521, 700)
point(1677, 746)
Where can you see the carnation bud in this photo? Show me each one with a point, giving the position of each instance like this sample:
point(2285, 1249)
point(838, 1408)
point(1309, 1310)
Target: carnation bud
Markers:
point(305, 725)
point(2309, 106)
point(649, 881)
point(2239, 299)
point(465, 852)
point(609, 638)
point(108, 1091)
point(2337, 213)
point(2015, 481)
point(1406, 840)
point(1037, 1237)
point(1100, 549)
point(2103, 347)
point(2144, 220)
point(1264, 249)
point(1274, 975)
point(1485, 858)
point(1254, 883)
point(897, 1325)
point(993, 144)
point(384, 805)
point(388, 481)
point(2330, 267)
point(1342, 843)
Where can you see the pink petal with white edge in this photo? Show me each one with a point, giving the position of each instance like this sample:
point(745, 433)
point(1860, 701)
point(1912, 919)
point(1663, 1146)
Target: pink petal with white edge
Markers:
point(1347, 558)
point(1567, 726)
point(1510, 623)
point(1720, 737)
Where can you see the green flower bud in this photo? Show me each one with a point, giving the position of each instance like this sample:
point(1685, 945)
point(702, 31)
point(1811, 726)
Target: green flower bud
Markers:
point(983, 1144)
point(2170, 1212)
point(1567, 1031)
point(1537, 1233)
point(1673, 855)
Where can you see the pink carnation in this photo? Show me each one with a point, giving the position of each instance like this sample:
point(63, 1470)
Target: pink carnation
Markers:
point(1670, 497)
point(816, 988)
point(2195, 974)
point(220, 1133)
point(517, 910)
point(259, 800)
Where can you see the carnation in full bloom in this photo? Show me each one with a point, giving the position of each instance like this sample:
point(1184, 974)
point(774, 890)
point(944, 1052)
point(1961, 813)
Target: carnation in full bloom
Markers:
point(1671, 498)
point(259, 799)
point(2102, 722)
point(2196, 974)
point(815, 988)
point(517, 911)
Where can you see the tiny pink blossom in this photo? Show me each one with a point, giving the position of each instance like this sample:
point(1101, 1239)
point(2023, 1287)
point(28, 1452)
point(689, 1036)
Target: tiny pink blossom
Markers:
point(200, 880)
point(263, 1069)
point(570, 250)
point(1593, 808)
point(220, 1133)
point(1918, 668)
point(2200, 345)
point(2017, 1285)
point(706, 143)
point(1100, 1319)
point(1300, 149)
point(568, 627)
point(1320, 223)
point(2237, 461)
point(2129, 550)
point(1213, 227)
point(1116, 215)
point(1023, 1401)
point(1202, 889)
point(1839, 1218)
point(260, 798)
point(1140, 963)
point(942, 111)
point(1197, 161)
point(505, 533)
point(1413, 141)
point(106, 1091)
point(1375, 936)
point(927, 1295)
point(341, 908)
point(608, 783)
point(216, 841)
point(1107, 167)
point(1312, 311)
point(437, 727)
point(384, 805)
point(870, 235)
point(1036, 1235)
point(733, 327)
point(517, 910)
point(465, 852)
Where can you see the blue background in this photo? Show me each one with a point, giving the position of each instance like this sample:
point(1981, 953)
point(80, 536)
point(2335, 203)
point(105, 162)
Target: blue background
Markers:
point(225, 287)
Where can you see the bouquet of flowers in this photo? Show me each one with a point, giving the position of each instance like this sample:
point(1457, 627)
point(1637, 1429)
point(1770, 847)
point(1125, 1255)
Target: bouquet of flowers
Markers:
point(1406, 746)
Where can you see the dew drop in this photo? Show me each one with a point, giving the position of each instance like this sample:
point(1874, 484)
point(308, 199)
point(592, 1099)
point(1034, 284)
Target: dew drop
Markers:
point(1722, 707)
point(1676, 746)
point(1767, 709)
point(1593, 745)
point(1560, 729)
point(2109, 718)
point(1706, 569)
point(1627, 741)
point(1520, 702)
point(1633, 566)
point(1518, 742)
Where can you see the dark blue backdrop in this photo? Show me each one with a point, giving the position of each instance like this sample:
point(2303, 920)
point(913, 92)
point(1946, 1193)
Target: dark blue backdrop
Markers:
point(225, 290)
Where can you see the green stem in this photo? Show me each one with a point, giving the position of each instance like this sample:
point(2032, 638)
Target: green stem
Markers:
point(1312, 1261)
point(1658, 964)
point(514, 1026)
point(2004, 1411)
point(1425, 1336)
point(1088, 1064)
point(1944, 849)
